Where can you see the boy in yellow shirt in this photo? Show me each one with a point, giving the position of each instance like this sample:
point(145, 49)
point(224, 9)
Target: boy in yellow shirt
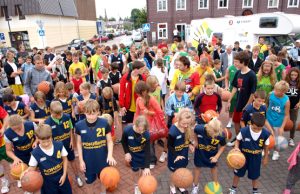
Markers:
point(76, 64)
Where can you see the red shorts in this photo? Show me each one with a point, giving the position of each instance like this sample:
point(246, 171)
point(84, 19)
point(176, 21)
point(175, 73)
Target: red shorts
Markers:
point(237, 116)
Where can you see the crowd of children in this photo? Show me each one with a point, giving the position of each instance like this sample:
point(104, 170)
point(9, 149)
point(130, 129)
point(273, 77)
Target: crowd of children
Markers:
point(107, 93)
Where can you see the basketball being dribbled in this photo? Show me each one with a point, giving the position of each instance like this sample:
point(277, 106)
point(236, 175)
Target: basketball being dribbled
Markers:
point(17, 170)
point(227, 133)
point(281, 143)
point(209, 115)
point(236, 159)
point(147, 184)
point(213, 188)
point(225, 95)
point(182, 178)
point(32, 181)
point(288, 125)
point(44, 87)
point(272, 142)
point(110, 177)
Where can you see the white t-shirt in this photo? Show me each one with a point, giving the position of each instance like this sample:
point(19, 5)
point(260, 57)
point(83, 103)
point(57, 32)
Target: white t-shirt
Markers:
point(17, 78)
point(34, 162)
point(254, 136)
point(230, 59)
point(162, 78)
point(254, 61)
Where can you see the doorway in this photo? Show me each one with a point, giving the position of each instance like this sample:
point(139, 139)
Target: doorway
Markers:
point(181, 30)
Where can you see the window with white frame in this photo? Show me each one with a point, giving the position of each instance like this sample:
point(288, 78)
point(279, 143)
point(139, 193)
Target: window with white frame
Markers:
point(293, 3)
point(162, 30)
point(223, 4)
point(162, 5)
point(273, 3)
point(203, 4)
point(180, 4)
point(247, 3)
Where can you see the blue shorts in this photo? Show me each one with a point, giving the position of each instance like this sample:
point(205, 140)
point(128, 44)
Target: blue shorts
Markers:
point(179, 164)
point(253, 163)
point(203, 164)
point(50, 187)
point(90, 178)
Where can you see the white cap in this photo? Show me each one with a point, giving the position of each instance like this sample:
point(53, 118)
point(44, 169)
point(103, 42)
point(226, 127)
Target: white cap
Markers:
point(298, 40)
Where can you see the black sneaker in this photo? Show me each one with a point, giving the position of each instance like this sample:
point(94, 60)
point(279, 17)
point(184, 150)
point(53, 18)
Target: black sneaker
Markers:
point(118, 141)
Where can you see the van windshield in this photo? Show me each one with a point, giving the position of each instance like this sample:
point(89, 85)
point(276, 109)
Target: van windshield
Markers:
point(282, 40)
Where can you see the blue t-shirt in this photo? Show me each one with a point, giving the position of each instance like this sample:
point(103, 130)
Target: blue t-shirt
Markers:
point(41, 113)
point(276, 109)
point(249, 110)
point(20, 110)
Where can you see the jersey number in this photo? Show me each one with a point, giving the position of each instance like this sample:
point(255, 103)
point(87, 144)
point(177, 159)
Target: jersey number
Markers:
point(261, 143)
point(215, 141)
point(100, 132)
point(66, 124)
point(20, 112)
point(30, 134)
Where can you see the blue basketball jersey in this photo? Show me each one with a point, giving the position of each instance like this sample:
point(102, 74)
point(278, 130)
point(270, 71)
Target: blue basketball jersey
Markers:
point(61, 131)
point(80, 98)
point(181, 148)
point(20, 110)
point(51, 167)
point(249, 110)
point(22, 145)
point(94, 144)
point(66, 104)
point(207, 146)
point(136, 146)
point(249, 146)
point(41, 113)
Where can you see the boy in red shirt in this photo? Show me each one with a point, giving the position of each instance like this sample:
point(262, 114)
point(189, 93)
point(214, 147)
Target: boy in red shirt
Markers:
point(77, 80)
point(208, 100)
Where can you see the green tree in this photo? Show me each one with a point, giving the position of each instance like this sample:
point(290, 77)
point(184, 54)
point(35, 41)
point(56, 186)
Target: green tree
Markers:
point(138, 17)
point(112, 19)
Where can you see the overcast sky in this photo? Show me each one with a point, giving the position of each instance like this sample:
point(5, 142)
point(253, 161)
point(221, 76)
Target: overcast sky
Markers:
point(118, 8)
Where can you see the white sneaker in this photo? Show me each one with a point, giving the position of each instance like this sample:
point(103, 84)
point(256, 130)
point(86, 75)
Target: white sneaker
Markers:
point(79, 181)
point(26, 192)
point(275, 155)
point(195, 190)
point(5, 185)
point(229, 124)
point(291, 143)
point(230, 144)
point(163, 157)
point(232, 191)
point(137, 190)
point(19, 185)
point(152, 166)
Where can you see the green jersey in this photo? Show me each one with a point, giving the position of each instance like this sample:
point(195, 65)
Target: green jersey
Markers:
point(265, 84)
point(232, 70)
point(279, 71)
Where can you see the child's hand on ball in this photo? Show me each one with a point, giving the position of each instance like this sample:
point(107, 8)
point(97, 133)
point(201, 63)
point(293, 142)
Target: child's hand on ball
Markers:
point(111, 161)
point(146, 172)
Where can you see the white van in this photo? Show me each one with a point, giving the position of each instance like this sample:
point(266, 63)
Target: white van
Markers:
point(278, 28)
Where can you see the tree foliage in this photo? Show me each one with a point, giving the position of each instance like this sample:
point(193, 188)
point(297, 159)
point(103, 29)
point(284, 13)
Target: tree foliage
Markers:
point(112, 19)
point(138, 17)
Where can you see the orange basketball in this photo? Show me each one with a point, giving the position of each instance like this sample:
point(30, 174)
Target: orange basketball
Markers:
point(288, 125)
point(44, 87)
point(17, 170)
point(111, 189)
point(236, 159)
point(272, 142)
point(209, 115)
point(147, 184)
point(110, 177)
point(227, 133)
point(182, 178)
point(225, 95)
point(32, 181)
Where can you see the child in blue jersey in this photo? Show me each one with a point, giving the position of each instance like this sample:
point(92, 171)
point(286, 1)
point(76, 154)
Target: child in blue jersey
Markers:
point(251, 141)
point(136, 145)
point(256, 106)
point(94, 145)
point(15, 107)
point(208, 139)
point(278, 111)
point(85, 95)
point(61, 94)
point(40, 109)
point(176, 101)
point(62, 130)
point(19, 140)
point(179, 143)
point(51, 159)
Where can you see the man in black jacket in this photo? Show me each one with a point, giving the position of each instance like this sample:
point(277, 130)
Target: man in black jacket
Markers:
point(255, 61)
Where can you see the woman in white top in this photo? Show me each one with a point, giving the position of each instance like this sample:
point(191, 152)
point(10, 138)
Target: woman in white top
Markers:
point(162, 75)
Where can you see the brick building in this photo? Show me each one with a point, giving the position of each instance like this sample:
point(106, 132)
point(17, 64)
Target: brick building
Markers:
point(165, 16)
point(43, 23)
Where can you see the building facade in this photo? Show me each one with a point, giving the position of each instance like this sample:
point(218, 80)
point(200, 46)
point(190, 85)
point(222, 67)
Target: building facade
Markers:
point(41, 23)
point(165, 16)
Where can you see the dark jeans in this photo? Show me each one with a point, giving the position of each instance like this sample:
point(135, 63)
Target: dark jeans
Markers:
point(294, 175)
point(153, 158)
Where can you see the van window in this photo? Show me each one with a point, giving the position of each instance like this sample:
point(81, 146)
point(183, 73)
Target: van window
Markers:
point(268, 22)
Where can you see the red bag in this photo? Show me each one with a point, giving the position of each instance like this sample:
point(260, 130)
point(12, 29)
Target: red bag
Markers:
point(158, 129)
